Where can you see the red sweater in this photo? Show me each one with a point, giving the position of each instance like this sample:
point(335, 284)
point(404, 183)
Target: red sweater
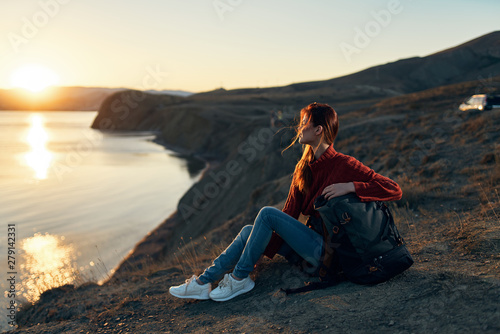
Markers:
point(333, 167)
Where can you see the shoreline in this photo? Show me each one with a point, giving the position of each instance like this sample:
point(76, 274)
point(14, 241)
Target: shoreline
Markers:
point(168, 223)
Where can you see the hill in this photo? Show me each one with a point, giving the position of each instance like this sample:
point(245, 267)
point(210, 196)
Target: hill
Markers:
point(55, 98)
point(63, 98)
point(447, 162)
point(474, 60)
point(186, 123)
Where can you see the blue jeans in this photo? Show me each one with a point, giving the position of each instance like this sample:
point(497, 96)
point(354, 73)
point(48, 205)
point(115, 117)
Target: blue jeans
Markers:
point(242, 254)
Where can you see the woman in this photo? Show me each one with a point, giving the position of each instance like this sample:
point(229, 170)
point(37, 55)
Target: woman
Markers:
point(320, 171)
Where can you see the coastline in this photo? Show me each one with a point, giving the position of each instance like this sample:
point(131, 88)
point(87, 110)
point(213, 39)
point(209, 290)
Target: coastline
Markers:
point(149, 248)
point(233, 139)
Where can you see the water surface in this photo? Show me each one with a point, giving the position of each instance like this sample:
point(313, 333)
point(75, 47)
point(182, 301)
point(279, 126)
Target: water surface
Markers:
point(80, 199)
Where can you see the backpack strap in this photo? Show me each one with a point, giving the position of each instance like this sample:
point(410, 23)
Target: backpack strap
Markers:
point(399, 239)
point(330, 270)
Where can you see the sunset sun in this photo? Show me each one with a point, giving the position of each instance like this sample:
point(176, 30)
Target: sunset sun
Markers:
point(34, 78)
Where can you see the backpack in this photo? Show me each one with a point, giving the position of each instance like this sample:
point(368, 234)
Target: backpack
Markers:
point(361, 242)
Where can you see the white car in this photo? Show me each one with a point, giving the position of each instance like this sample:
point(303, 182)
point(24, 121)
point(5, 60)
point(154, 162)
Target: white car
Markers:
point(481, 102)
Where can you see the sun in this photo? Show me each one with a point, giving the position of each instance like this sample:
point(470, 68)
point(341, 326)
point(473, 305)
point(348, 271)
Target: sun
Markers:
point(34, 77)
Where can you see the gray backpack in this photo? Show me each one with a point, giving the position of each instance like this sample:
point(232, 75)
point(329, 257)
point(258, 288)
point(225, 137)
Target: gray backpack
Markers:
point(361, 242)
point(363, 237)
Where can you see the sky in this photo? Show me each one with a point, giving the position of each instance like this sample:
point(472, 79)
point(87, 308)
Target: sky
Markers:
point(201, 45)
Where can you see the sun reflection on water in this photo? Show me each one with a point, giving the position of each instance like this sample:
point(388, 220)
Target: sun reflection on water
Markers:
point(39, 158)
point(48, 263)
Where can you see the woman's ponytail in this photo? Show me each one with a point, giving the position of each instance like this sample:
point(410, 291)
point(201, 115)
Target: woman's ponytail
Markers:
point(318, 114)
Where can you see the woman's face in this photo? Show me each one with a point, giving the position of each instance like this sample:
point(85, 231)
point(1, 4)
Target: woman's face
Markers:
point(308, 132)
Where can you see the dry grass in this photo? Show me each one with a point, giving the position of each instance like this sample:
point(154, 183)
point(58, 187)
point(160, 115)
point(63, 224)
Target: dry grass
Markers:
point(193, 257)
point(416, 192)
point(406, 222)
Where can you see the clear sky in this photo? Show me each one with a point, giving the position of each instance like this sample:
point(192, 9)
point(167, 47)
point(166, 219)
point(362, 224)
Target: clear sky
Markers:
point(200, 45)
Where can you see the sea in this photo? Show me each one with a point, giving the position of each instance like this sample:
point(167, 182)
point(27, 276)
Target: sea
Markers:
point(74, 201)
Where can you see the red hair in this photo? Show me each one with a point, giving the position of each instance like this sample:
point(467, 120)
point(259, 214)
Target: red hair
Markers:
point(318, 114)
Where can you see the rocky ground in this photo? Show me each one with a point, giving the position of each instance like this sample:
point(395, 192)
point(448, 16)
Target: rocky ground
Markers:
point(422, 300)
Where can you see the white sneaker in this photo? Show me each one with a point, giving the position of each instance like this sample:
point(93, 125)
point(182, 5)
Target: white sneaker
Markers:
point(191, 289)
point(229, 288)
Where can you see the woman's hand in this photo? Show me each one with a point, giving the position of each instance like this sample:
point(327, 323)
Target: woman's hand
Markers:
point(338, 189)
